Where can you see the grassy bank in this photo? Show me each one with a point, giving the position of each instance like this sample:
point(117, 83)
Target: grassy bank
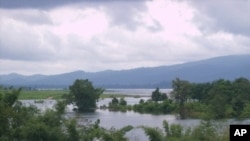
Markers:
point(42, 94)
point(57, 94)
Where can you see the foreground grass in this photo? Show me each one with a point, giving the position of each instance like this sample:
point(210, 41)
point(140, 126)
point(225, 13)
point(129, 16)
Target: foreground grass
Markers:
point(42, 94)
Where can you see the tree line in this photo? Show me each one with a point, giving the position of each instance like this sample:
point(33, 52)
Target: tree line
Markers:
point(217, 100)
point(211, 100)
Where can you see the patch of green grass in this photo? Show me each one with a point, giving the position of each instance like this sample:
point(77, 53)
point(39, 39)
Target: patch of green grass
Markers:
point(57, 94)
point(42, 94)
point(119, 96)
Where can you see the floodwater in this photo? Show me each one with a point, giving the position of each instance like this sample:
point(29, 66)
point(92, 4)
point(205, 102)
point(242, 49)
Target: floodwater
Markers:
point(111, 119)
point(137, 92)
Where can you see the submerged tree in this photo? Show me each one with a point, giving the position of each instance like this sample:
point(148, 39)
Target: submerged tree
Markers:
point(83, 95)
point(181, 91)
point(158, 96)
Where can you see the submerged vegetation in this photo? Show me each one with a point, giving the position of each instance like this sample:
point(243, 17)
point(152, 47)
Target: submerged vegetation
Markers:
point(83, 95)
point(188, 100)
point(219, 99)
point(165, 107)
point(28, 123)
point(216, 100)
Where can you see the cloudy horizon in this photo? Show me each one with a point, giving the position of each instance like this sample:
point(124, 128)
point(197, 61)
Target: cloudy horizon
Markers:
point(52, 37)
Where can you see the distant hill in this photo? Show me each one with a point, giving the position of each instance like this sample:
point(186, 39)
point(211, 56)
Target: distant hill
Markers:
point(226, 67)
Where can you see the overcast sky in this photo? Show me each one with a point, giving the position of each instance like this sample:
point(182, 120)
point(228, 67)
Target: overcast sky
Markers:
point(51, 37)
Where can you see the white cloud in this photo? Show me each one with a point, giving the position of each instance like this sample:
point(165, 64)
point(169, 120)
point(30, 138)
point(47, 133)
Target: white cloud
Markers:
point(223, 43)
point(81, 22)
point(174, 17)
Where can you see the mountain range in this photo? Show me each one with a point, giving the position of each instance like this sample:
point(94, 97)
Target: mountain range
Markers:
point(225, 67)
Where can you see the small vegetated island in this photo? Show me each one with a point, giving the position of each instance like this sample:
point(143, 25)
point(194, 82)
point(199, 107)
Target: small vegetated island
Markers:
point(220, 99)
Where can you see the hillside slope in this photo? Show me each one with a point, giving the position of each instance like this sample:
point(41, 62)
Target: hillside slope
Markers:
point(226, 67)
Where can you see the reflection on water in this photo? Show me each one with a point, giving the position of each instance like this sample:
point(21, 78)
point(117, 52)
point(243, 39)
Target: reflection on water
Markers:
point(118, 120)
point(42, 104)
point(121, 119)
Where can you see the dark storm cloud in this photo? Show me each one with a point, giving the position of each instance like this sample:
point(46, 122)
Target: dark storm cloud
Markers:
point(224, 15)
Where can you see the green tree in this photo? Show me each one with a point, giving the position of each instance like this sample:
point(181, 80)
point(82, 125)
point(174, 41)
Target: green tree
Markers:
point(9, 111)
point(158, 96)
point(154, 134)
point(199, 91)
point(114, 101)
point(241, 95)
point(181, 92)
point(22, 123)
point(219, 97)
point(123, 102)
point(246, 111)
point(83, 95)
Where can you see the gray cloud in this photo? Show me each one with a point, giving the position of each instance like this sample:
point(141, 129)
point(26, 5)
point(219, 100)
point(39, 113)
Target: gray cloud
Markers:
point(61, 37)
point(19, 42)
point(124, 13)
point(29, 16)
point(121, 12)
point(36, 4)
point(224, 15)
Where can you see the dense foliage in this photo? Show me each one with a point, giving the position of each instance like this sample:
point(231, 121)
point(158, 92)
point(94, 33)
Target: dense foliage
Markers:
point(83, 95)
point(215, 100)
point(218, 99)
point(20, 123)
point(180, 92)
point(118, 105)
point(165, 107)
point(158, 96)
point(206, 131)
